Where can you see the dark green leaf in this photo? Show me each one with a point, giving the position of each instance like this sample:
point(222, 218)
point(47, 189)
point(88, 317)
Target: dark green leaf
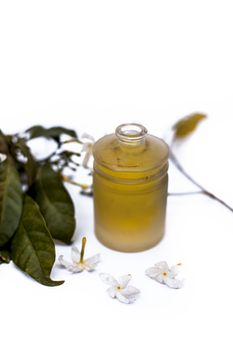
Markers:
point(3, 143)
point(32, 247)
point(10, 200)
point(4, 256)
point(55, 132)
point(187, 125)
point(29, 165)
point(55, 203)
point(69, 154)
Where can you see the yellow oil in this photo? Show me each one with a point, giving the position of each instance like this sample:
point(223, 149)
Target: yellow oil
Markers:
point(130, 189)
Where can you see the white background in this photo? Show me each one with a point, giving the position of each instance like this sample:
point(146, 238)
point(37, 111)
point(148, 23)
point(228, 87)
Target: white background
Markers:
point(92, 65)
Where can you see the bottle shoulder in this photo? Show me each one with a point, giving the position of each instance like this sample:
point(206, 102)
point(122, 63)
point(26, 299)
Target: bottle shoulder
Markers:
point(113, 154)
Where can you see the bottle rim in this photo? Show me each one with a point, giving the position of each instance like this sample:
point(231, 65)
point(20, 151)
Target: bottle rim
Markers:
point(131, 132)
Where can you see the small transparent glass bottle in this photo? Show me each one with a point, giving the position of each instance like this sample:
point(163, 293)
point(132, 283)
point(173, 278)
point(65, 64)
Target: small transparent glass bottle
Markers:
point(130, 188)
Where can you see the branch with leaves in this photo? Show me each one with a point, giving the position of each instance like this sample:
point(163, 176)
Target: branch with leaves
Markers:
point(35, 207)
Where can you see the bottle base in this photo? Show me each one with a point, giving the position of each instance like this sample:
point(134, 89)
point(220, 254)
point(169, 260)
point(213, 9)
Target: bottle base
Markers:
point(131, 247)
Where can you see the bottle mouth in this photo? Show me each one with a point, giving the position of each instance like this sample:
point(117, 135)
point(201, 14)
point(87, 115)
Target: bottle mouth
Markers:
point(131, 133)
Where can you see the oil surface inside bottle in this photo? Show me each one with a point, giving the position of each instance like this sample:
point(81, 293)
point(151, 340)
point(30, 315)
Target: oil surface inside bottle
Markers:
point(130, 189)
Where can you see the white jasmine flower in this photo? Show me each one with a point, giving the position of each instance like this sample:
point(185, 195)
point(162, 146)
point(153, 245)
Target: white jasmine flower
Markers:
point(78, 263)
point(161, 273)
point(21, 157)
point(3, 157)
point(119, 288)
point(87, 142)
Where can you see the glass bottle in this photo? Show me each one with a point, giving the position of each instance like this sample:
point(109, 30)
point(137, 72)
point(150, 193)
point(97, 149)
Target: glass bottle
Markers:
point(130, 188)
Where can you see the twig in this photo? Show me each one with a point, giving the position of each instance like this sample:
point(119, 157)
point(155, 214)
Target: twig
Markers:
point(70, 181)
point(71, 141)
point(184, 193)
point(87, 193)
point(191, 179)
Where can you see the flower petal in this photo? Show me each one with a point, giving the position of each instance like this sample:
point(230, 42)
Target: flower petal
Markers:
point(69, 266)
point(160, 278)
point(76, 268)
point(174, 270)
point(161, 266)
point(124, 280)
point(75, 254)
point(108, 279)
point(157, 269)
point(86, 136)
point(91, 262)
point(87, 157)
point(111, 292)
point(152, 272)
point(64, 262)
point(130, 292)
point(173, 283)
point(122, 298)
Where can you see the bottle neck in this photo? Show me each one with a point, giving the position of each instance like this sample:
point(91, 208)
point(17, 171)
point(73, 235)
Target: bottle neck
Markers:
point(131, 134)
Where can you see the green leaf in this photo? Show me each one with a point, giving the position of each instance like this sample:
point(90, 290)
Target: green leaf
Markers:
point(187, 125)
point(30, 165)
point(55, 203)
point(32, 247)
point(10, 200)
point(54, 132)
point(3, 143)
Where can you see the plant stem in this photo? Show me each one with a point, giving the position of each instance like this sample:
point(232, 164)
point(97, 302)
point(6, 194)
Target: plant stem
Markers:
point(177, 164)
point(72, 141)
point(84, 241)
point(70, 181)
point(184, 193)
